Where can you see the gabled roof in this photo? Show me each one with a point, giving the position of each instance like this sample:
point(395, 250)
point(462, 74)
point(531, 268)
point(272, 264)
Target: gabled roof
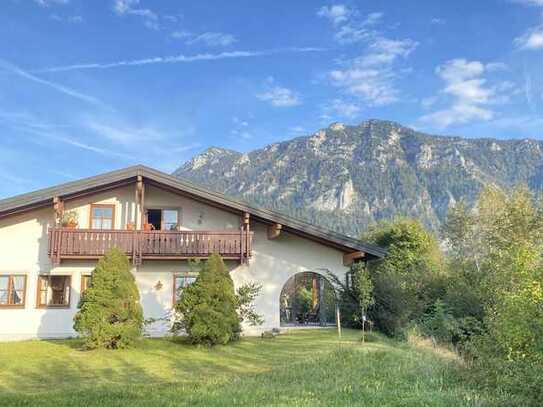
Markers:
point(44, 197)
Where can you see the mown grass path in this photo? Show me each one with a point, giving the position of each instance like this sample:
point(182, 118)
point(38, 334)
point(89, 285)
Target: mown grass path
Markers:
point(303, 368)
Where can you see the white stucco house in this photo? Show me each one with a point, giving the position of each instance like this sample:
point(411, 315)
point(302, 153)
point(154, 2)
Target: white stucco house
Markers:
point(160, 222)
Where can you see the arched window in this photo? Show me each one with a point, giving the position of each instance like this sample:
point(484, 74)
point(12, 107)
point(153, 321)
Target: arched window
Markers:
point(307, 299)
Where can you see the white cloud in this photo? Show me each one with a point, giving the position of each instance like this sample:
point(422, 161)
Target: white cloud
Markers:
point(68, 19)
point(469, 91)
point(127, 136)
point(296, 130)
point(59, 88)
point(531, 39)
point(173, 59)
point(342, 108)
point(130, 7)
point(371, 76)
point(537, 3)
point(279, 96)
point(357, 31)
point(213, 39)
point(47, 3)
point(337, 13)
point(437, 21)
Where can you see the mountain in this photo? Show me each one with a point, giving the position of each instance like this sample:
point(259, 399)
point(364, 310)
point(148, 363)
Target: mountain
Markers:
point(346, 177)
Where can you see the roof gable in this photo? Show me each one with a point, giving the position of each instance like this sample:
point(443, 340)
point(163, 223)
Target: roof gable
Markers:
point(113, 179)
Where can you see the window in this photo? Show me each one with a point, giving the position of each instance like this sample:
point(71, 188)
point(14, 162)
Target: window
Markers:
point(181, 282)
point(54, 291)
point(163, 219)
point(102, 216)
point(170, 219)
point(12, 290)
point(85, 282)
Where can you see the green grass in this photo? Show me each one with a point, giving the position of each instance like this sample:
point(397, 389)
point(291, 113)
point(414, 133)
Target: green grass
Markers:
point(304, 368)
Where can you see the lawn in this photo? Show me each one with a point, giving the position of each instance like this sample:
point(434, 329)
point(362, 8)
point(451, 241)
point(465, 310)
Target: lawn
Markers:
point(303, 368)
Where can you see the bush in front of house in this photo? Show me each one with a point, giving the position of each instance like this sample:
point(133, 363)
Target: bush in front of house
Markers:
point(210, 311)
point(110, 314)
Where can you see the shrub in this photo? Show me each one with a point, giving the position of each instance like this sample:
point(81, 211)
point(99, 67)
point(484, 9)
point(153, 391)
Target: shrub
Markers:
point(110, 314)
point(409, 279)
point(209, 310)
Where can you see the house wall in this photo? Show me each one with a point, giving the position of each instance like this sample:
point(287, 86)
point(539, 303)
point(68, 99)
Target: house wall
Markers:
point(23, 240)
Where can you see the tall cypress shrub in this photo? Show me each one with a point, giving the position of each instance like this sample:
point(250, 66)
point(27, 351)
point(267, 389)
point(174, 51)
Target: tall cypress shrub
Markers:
point(110, 314)
point(207, 309)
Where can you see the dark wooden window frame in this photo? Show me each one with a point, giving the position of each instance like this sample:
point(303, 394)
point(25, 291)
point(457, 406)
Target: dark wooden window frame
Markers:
point(38, 291)
point(103, 206)
point(10, 279)
point(162, 209)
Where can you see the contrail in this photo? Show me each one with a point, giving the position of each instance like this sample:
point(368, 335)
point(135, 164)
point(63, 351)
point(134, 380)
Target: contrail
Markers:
point(60, 88)
point(175, 59)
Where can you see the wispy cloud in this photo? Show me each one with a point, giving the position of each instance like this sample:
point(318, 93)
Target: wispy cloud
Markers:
point(349, 25)
point(213, 39)
point(126, 136)
point(48, 3)
point(8, 67)
point(337, 13)
point(537, 3)
point(341, 108)
point(130, 8)
point(279, 96)
point(67, 19)
point(176, 59)
point(470, 94)
point(532, 39)
point(371, 76)
point(437, 21)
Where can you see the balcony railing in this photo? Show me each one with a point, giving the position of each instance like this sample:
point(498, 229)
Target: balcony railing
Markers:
point(66, 243)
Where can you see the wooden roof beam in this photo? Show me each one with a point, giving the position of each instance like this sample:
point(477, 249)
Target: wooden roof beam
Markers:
point(274, 231)
point(349, 258)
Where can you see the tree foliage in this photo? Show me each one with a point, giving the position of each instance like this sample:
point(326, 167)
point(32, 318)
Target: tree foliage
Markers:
point(110, 314)
point(210, 311)
point(409, 279)
point(497, 270)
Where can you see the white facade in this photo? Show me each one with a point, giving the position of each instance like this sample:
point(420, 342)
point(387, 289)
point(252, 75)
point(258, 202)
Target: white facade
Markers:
point(24, 251)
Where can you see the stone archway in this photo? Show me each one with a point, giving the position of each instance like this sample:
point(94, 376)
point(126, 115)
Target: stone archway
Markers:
point(307, 299)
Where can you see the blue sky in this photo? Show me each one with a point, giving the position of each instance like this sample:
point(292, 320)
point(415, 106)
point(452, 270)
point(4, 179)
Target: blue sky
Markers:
point(89, 86)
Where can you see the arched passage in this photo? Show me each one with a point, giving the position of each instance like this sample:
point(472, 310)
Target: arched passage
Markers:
point(307, 299)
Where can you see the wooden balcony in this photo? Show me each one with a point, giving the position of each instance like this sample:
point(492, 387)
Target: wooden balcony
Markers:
point(139, 245)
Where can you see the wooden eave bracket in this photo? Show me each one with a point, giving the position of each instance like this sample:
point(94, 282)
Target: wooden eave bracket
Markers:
point(349, 258)
point(274, 231)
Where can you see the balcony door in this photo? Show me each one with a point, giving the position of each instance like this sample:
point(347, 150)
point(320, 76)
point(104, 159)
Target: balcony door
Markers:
point(163, 219)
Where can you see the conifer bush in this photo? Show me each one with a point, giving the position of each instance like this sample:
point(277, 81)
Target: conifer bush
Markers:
point(210, 311)
point(110, 314)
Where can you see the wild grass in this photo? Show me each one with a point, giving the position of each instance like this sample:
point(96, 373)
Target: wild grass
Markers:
point(302, 368)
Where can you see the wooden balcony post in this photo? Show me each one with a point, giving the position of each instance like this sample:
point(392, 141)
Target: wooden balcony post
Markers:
point(140, 201)
point(58, 206)
point(246, 236)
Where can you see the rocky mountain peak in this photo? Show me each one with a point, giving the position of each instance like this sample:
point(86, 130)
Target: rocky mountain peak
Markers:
point(346, 177)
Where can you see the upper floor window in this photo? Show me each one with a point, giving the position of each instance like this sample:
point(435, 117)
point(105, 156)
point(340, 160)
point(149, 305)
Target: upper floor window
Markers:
point(102, 216)
point(12, 290)
point(54, 291)
point(181, 282)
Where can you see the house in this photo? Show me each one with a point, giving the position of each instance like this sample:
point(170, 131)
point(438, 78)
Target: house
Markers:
point(161, 223)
